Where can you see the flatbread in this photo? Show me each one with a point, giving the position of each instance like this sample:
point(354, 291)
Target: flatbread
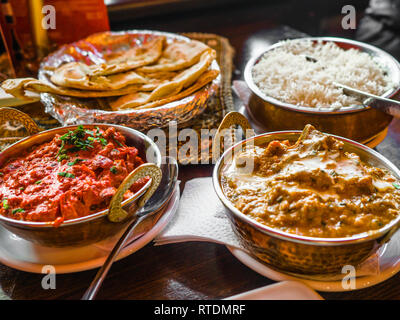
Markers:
point(143, 55)
point(77, 75)
point(185, 78)
point(142, 77)
point(177, 55)
point(170, 88)
point(18, 88)
point(81, 76)
point(138, 100)
point(159, 76)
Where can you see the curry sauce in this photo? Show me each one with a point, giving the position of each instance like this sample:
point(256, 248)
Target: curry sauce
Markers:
point(311, 188)
point(71, 176)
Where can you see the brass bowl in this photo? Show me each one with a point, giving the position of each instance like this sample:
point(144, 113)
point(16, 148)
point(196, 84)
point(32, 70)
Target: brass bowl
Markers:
point(95, 227)
point(291, 253)
point(359, 123)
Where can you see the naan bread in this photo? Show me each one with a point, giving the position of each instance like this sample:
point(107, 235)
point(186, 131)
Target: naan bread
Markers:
point(145, 76)
point(177, 55)
point(170, 88)
point(159, 76)
point(77, 75)
point(81, 76)
point(131, 59)
point(17, 88)
point(139, 100)
point(185, 78)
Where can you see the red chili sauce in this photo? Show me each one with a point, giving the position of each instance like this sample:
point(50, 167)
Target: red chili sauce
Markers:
point(72, 176)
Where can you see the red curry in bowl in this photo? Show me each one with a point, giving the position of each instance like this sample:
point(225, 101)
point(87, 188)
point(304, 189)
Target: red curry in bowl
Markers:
point(74, 175)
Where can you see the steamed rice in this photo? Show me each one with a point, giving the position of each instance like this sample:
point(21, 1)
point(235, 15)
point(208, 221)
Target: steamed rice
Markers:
point(287, 74)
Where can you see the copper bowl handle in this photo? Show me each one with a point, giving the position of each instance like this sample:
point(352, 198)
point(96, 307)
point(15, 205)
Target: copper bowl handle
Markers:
point(231, 119)
point(115, 212)
point(14, 114)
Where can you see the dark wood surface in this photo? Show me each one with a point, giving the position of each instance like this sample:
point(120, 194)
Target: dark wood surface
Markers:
point(204, 270)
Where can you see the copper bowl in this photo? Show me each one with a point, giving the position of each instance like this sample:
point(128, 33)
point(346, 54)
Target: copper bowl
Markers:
point(92, 228)
point(363, 124)
point(291, 253)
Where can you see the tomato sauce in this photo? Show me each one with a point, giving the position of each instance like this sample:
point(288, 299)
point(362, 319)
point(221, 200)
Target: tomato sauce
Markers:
point(72, 176)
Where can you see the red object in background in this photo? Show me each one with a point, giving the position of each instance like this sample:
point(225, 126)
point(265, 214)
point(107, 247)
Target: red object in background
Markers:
point(75, 19)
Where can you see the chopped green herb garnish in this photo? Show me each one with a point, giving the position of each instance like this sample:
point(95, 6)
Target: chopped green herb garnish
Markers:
point(62, 157)
point(61, 150)
point(114, 169)
point(38, 182)
point(79, 141)
point(75, 161)
point(1, 174)
point(396, 185)
point(103, 141)
point(89, 132)
point(22, 188)
point(5, 204)
point(17, 210)
point(66, 174)
point(117, 142)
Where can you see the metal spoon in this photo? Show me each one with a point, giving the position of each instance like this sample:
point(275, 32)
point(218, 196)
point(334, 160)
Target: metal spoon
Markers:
point(163, 194)
point(386, 105)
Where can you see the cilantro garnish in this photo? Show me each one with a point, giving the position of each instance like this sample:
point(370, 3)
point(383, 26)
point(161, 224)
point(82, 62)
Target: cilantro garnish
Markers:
point(113, 169)
point(5, 204)
point(75, 161)
point(66, 174)
point(79, 139)
point(396, 185)
point(17, 210)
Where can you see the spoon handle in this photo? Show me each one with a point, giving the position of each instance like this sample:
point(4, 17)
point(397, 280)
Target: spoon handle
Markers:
point(386, 105)
point(94, 287)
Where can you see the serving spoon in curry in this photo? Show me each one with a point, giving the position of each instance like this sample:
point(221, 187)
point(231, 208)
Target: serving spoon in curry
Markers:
point(163, 194)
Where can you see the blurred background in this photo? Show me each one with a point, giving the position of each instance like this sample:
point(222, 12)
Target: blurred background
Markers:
point(242, 22)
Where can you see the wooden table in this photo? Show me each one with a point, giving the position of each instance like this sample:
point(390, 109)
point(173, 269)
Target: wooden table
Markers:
point(204, 270)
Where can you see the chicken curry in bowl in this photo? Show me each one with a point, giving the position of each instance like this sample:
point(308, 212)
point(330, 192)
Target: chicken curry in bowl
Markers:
point(311, 188)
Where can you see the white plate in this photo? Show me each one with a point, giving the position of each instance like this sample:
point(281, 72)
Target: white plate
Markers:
point(285, 290)
point(389, 265)
point(23, 255)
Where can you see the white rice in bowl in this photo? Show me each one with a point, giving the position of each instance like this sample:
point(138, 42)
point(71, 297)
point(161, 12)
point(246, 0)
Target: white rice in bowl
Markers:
point(288, 74)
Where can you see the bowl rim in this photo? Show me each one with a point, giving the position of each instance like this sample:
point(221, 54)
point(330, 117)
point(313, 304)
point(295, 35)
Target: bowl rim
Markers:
point(305, 109)
point(96, 215)
point(276, 233)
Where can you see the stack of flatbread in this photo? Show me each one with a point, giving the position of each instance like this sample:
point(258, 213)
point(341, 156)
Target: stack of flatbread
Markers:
point(145, 76)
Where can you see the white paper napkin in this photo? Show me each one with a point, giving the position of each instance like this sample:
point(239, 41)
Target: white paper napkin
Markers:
point(201, 217)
